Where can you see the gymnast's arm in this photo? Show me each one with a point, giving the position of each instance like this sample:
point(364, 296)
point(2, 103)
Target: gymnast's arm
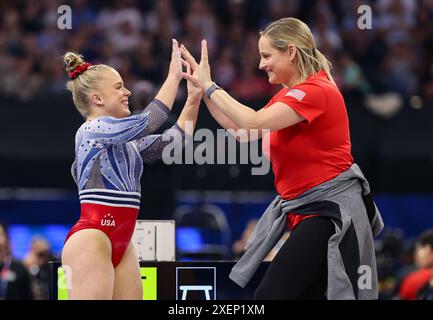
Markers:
point(151, 147)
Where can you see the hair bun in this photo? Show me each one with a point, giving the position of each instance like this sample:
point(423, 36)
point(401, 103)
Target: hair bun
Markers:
point(72, 60)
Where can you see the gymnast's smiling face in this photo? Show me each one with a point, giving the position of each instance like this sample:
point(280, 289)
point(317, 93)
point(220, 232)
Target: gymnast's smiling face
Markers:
point(111, 97)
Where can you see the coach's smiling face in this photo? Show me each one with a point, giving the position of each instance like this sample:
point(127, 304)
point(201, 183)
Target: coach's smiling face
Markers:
point(279, 65)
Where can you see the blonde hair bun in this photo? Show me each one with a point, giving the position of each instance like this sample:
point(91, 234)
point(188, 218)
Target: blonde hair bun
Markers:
point(72, 60)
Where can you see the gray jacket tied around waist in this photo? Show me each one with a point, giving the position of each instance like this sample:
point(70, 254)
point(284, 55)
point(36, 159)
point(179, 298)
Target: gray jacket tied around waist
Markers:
point(347, 201)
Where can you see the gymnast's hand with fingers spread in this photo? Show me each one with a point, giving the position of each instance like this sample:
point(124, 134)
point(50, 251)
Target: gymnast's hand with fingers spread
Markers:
point(203, 77)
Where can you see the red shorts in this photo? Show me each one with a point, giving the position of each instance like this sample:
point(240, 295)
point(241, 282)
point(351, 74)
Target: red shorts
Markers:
point(118, 223)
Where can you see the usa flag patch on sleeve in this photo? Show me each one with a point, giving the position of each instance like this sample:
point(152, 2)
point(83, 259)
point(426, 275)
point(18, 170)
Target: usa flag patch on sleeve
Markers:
point(297, 94)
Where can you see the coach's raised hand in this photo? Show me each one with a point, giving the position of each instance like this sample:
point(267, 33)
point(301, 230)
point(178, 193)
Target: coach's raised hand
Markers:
point(203, 77)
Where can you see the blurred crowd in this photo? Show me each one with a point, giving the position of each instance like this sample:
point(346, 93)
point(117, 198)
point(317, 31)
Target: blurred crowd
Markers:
point(26, 279)
point(395, 55)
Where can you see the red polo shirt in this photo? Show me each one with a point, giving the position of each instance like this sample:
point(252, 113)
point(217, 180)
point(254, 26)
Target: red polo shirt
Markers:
point(315, 150)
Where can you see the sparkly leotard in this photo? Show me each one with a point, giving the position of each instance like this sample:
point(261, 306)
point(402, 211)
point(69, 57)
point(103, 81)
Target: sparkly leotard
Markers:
point(109, 163)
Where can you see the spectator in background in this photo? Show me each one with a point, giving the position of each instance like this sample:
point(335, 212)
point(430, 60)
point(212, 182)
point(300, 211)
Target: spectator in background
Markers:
point(40, 249)
point(144, 91)
point(400, 66)
point(350, 75)
point(36, 262)
point(424, 257)
point(202, 23)
point(412, 284)
point(12, 28)
point(15, 282)
point(12, 85)
point(83, 13)
point(125, 36)
point(162, 21)
point(225, 69)
point(396, 18)
point(249, 86)
point(388, 252)
point(325, 31)
point(407, 266)
point(199, 22)
point(146, 61)
point(427, 92)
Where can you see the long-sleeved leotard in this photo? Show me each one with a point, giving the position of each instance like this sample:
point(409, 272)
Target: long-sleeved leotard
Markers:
point(109, 163)
point(110, 151)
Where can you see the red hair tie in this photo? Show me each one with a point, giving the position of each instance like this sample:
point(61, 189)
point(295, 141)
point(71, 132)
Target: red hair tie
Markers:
point(79, 70)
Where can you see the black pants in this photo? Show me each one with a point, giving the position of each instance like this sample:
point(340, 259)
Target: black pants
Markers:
point(299, 270)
